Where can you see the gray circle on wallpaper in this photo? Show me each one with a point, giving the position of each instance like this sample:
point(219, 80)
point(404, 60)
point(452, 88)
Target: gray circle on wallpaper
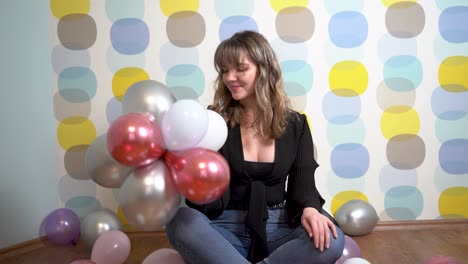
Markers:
point(406, 152)
point(299, 103)
point(74, 161)
point(64, 108)
point(387, 97)
point(77, 31)
point(405, 19)
point(295, 24)
point(185, 29)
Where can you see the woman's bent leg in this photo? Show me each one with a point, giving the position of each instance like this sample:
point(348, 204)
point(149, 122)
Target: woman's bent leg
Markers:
point(302, 250)
point(192, 235)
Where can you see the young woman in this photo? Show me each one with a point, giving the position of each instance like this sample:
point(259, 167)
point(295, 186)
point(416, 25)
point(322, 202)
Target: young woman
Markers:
point(272, 211)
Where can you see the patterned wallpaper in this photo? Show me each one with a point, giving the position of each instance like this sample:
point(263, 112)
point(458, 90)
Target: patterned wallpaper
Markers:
point(384, 84)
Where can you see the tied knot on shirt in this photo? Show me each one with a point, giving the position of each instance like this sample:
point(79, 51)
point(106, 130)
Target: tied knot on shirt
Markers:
point(257, 216)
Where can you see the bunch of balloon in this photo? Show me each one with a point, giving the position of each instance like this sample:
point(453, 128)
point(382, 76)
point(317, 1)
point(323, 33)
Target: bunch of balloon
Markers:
point(158, 149)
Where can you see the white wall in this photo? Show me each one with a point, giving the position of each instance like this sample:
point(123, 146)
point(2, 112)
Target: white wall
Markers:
point(28, 163)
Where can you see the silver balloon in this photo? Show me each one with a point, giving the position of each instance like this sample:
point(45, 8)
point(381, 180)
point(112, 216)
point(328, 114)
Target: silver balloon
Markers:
point(356, 217)
point(98, 222)
point(148, 96)
point(148, 197)
point(103, 168)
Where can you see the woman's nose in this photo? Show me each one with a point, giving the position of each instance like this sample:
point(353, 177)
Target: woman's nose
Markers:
point(230, 75)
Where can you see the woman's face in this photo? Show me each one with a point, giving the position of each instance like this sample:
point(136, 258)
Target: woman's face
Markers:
point(240, 79)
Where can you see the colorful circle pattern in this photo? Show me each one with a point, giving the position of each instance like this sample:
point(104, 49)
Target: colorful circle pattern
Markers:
point(337, 67)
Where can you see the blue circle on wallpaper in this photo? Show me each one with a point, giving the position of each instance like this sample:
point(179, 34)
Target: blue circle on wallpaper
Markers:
point(391, 177)
point(297, 77)
point(233, 24)
point(77, 84)
point(348, 29)
point(117, 9)
point(335, 6)
point(403, 73)
point(341, 110)
point(449, 105)
point(443, 4)
point(171, 56)
point(186, 77)
point(83, 205)
point(453, 156)
point(451, 129)
point(403, 202)
point(225, 8)
point(390, 46)
point(129, 36)
point(444, 49)
point(349, 160)
point(453, 23)
point(353, 132)
point(113, 110)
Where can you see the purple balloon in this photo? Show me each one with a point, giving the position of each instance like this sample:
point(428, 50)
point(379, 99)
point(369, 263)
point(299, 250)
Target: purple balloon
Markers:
point(351, 250)
point(62, 226)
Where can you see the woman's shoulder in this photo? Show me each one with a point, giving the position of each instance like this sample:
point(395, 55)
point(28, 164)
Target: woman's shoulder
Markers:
point(296, 117)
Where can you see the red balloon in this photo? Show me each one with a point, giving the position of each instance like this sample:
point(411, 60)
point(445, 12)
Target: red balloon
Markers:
point(135, 140)
point(201, 175)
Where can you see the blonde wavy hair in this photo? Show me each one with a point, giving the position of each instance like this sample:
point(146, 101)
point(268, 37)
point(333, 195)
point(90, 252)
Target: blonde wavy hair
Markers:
point(273, 106)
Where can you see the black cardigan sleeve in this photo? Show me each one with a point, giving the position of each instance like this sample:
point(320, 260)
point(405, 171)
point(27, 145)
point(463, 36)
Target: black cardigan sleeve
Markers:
point(301, 190)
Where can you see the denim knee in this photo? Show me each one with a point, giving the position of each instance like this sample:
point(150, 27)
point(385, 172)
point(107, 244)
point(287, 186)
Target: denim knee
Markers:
point(337, 244)
point(186, 221)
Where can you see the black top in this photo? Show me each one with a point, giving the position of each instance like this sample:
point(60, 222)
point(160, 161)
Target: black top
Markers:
point(294, 160)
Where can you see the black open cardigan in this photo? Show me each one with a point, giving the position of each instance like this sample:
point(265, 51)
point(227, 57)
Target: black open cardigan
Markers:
point(294, 161)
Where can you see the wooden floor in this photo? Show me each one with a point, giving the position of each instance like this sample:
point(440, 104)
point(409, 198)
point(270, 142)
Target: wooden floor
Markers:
point(390, 242)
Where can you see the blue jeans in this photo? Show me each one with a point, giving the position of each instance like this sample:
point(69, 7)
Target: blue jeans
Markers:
point(226, 239)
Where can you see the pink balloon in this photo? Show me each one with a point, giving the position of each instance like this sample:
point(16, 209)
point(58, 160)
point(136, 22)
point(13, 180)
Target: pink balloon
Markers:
point(135, 140)
point(111, 247)
point(164, 255)
point(201, 175)
point(351, 250)
point(441, 260)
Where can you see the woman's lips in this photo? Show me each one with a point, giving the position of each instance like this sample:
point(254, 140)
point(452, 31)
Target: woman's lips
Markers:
point(235, 88)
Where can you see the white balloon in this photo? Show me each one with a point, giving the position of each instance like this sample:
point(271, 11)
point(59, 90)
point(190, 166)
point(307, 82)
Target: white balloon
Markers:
point(356, 261)
point(184, 125)
point(216, 134)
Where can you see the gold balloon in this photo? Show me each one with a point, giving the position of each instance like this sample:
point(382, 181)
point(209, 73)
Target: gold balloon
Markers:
point(102, 167)
point(98, 222)
point(148, 197)
point(148, 96)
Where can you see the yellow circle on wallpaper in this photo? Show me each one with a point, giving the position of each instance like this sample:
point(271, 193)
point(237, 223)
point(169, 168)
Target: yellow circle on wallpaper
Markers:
point(398, 120)
point(453, 75)
point(348, 78)
point(124, 78)
point(453, 202)
point(61, 8)
point(346, 196)
point(169, 7)
point(75, 131)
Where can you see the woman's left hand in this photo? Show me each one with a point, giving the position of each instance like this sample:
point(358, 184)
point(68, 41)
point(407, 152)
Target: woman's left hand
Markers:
point(317, 225)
